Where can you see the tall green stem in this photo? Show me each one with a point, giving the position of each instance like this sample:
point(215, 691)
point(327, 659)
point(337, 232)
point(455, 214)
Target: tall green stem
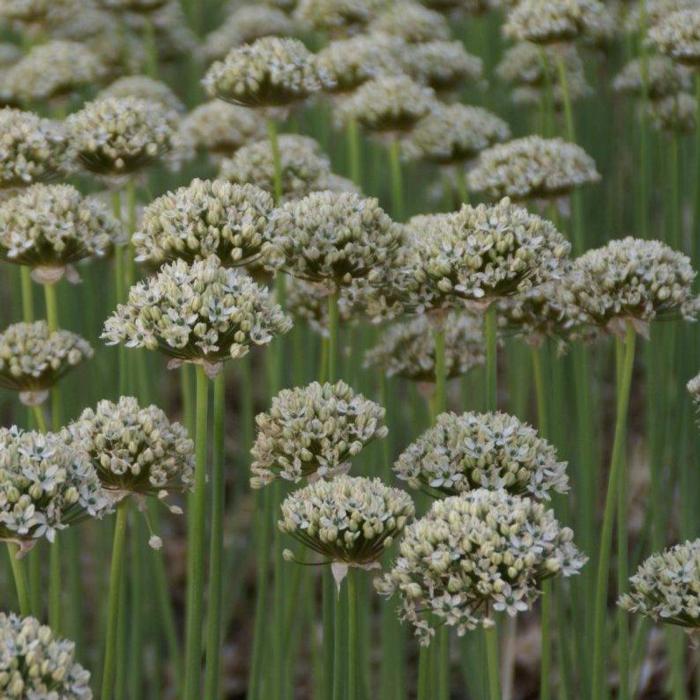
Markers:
point(276, 160)
point(605, 540)
point(397, 204)
point(20, 576)
point(352, 693)
point(354, 152)
point(491, 399)
point(440, 368)
point(340, 643)
point(333, 336)
point(27, 294)
point(491, 635)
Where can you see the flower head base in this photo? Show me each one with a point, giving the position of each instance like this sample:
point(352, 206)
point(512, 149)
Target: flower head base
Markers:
point(663, 78)
point(633, 279)
point(337, 17)
point(678, 35)
point(303, 166)
point(119, 136)
point(349, 520)
point(205, 218)
point(477, 553)
point(313, 432)
point(32, 149)
point(675, 114)
point(465, 452)
point(33, 359)
point(332, 237)
point(406, 349)
point(135, 450)
point(387, 105)
point(144, 88)
point(45, 485)
point(270, 72)
point(532, 168)
point(36, 664)
point(221, 128)
point(553, 21)
point(455, 134)
point(49, 227)
point(442, 65)
point(146, 6)
point(412, 22)
point(666, 587)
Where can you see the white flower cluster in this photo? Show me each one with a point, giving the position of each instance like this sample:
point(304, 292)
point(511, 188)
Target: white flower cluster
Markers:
point(640, 18)
point(482, 450)
point(32, 149)
point(207, 217)
point(36, 664)
point(51, 226)
point(663, 77)
point(202, 313)
point(221, 128)
point(25, 11)
point(271, 72)
point(349, 520)
point(144, 88)
point(532, 167)
point(304, 168)
point(444, 66)
point(454, 134)
point(666, 587)
point(309, 301)
point(332, 237)
point(337, 17)
point(118, 136)
point(675, 113)
point(387, 104)
point(412, 22)
point(678, 35)
point(135, 450)
point(475, 554)
point(33, 359)
point(313, 432)
point(633, 279)
point(553, 21)
point(406, 349)
point(45, 485)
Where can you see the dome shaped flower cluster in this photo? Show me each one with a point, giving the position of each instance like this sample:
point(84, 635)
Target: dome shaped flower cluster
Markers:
point(666, 587)
point(677, 35)
point(406, 349)
point(48, 227)
point(313, 431)
point(45, 485)
point(202, 313)
point(135, 450)
point(633, 279)
point(34, 663)
point(482, 450)
point(333, 237)
point(25, 11)
point(33, 359)
point(412, 22)
point(532, 167)
point(144, 88)
point(475, 554)
point(336, 17)
point(118, 136)
point(270, 72)
point(674, 114)
point(32, 149)
point(454, 134)
point(205, 218)
point(443, 66)
point(641, 18)
point(663, 77)
point(349, 520)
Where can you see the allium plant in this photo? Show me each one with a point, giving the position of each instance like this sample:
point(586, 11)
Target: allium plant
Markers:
point(677, 35)
point(443, 66)
point(412, 22)
point(657, 77)
point(36, 663)
point(313, 432)
point(675, 114)
point(144, 88)
point(336, 17)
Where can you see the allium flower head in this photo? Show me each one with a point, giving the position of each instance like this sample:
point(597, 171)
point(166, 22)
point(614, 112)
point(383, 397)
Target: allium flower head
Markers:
point(474, 554)
point(118, 136)
point(482, 450)
point(144, 88)
point(349, 520)
point(336, 17)
point(332, 237)
point(270, 72)
point(45, 485)
point(34, 663)
point(32, 149)
point(674, 114)
point(313, 432)
point(134, 450)
point(553, 21)
point(666, 587)
point(33, 359)
point(523, 64)
point(302, 166)
point(412, 22)
point(309, 301)
point(532, 168)
point(664, 77)
point(633, 279)
point(678, 35)
point(202, 313)
point(207, 217)
point(406, 349)
point(454, 134)
point(49, 227)
point(442, 65)
point(640, 17)
point(387, 105)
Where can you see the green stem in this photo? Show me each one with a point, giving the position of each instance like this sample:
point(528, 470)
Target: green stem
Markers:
point(196, 544)
point(276, 160)
point(55, 585)
point(546, 644)
point(51, 307)
point(340, 643)
point(149, 41)
point(491, 635)
point(396, 179)
point(352, 635)
point(424, 673)
point(491, 402)
point(27, 294)
point(540, 391)
point(443, 663)
point(605, 540)
point(40, 419)
point(114, 609)
point(20, 576)
point(440, 368)
point(354, 152)
point(566, 98)
point(333, 336)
